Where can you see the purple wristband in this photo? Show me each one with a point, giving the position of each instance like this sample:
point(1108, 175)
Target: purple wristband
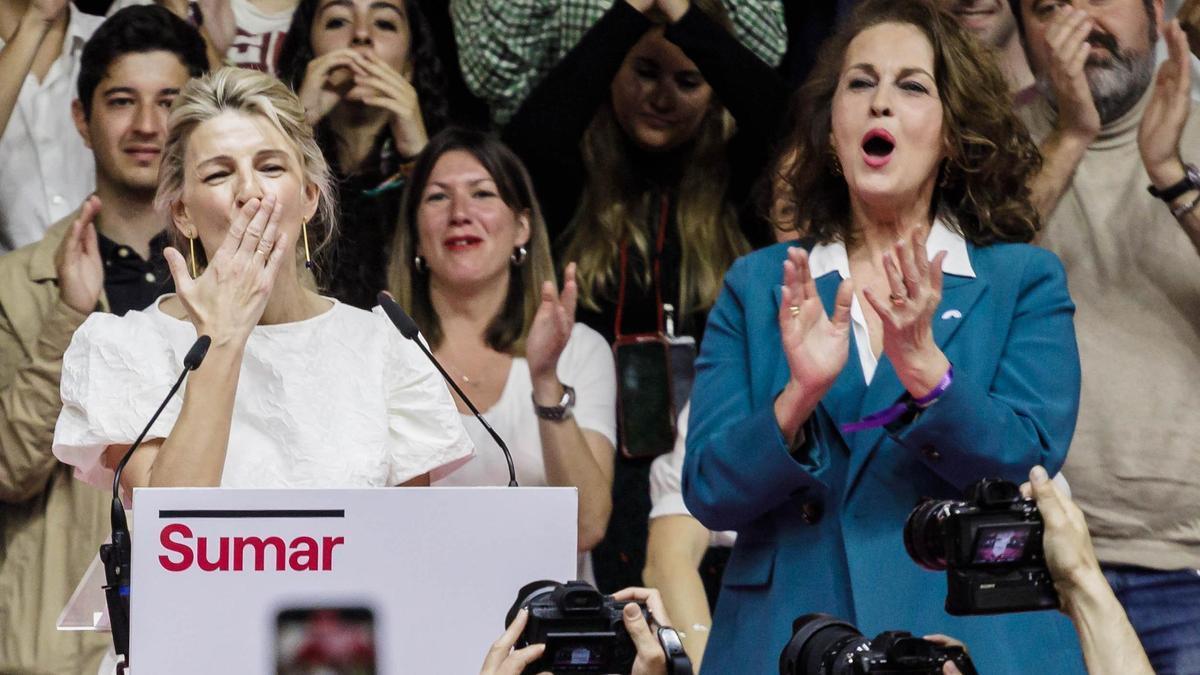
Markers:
point(895, 412)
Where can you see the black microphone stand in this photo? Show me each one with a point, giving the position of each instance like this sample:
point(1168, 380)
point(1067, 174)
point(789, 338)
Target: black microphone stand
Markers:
point(408, 328)
point(116, 555)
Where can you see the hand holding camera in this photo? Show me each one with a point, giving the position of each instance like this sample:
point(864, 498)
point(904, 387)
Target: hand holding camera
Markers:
point(573, 628)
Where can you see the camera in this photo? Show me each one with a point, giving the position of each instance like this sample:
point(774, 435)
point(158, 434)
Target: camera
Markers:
point(583, 630)
point(824, 645)
point(989, 544)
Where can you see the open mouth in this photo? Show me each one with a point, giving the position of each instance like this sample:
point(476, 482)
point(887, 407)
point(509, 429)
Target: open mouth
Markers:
point(878, 146)
point(461, 243)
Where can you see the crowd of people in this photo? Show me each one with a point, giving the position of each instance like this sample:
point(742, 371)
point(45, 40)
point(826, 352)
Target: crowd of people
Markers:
point(753, 276)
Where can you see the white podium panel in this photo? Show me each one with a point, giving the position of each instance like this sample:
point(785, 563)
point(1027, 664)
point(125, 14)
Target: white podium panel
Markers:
point(436, 568)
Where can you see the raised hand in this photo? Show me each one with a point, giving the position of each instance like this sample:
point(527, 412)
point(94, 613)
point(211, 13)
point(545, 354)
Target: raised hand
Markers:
point(1162, 124)
point(1189, 20)
point(48, 11)
point(379, 86)
point(326, 81)
point(77, 261)
point(551, 327)
point(907, 313)
point(1067, 38)
point(816, 346)
point(228, 298)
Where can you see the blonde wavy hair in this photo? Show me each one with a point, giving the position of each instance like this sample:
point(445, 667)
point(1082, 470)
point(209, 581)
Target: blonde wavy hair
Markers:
point(248, 92)
point(614, 208)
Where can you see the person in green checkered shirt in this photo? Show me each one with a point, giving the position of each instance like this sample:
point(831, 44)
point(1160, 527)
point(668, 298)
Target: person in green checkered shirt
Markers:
point(506, 48)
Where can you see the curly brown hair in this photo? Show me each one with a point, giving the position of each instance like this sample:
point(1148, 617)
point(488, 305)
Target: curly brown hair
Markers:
point(983, 187)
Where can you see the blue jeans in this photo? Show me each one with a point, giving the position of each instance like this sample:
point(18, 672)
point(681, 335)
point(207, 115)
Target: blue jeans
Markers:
point(1164, 608)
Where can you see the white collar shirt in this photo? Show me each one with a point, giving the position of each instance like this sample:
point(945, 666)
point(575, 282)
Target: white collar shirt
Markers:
point(827, 258)
point(46, 171)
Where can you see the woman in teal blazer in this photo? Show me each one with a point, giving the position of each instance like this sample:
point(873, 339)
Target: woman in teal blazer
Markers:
point(915, 284)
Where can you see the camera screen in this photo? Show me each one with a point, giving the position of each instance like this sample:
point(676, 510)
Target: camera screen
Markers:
point(997, 545)
point(581, 651)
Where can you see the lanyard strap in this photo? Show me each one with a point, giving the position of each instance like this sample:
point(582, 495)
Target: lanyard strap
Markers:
point(663, 211)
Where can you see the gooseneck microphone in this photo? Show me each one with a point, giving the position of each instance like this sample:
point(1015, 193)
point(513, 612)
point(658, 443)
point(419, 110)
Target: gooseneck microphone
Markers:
point(408, 328)
point(116, 554)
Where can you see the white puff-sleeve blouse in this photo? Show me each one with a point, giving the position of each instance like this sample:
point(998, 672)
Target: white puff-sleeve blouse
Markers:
point(337, 400)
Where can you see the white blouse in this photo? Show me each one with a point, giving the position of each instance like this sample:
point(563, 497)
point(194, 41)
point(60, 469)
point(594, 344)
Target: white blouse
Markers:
point(586, 364)
point(337, 400)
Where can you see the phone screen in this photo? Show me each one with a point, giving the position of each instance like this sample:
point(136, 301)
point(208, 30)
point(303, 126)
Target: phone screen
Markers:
point(325, 640)
point(644, 396)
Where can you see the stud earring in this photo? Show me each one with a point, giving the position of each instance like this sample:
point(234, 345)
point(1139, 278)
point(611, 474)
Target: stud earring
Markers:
point(518, 256)
point(420, 265)
point(308, 263)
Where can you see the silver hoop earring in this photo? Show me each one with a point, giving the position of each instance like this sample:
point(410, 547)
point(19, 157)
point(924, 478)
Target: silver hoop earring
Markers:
point(420, 265)
point(518, 256)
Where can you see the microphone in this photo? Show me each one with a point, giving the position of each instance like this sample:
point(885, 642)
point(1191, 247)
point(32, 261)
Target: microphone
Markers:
point(408, 328)
point(116, 555)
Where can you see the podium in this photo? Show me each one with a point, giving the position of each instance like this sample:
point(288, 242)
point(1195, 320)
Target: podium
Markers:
point(218, 574)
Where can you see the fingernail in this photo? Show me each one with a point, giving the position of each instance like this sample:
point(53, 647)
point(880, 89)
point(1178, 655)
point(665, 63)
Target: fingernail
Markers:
point(632, 610)
point(1038, 475)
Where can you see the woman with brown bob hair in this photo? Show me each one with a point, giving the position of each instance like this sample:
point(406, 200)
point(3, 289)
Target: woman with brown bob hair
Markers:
point(471, 263)
point(917, 344)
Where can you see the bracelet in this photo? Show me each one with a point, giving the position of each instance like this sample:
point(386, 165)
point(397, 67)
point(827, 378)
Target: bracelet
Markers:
point(892, 413)
point(1184, 209)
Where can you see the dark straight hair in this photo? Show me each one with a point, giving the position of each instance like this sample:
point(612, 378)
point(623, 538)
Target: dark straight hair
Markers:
point(137, 30)
point(428, 76)
point(410, 286)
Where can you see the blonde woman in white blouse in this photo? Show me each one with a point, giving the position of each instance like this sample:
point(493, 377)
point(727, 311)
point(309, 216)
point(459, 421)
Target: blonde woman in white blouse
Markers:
point(297, 390)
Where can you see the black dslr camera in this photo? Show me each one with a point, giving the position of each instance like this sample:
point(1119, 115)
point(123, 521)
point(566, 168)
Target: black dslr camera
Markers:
point(990, 545)
point(823, 645)
point(583, 631)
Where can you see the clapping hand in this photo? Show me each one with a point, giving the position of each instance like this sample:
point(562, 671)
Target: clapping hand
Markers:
point(48, 11)
point(1067, 37)
point(551, 327)
point(907, 313)
point(1189, 20)
point(1162, 124)
point(77, 261)
point(816, 346)
point(227, 300)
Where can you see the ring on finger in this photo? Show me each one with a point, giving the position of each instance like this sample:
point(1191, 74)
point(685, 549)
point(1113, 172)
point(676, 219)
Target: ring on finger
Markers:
point(794, 310)
point(897, 299)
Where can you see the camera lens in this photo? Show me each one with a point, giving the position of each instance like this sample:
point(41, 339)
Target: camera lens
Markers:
point(924, 535)
point(821, 645)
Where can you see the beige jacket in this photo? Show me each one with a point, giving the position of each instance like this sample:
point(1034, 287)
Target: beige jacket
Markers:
point(51, 525)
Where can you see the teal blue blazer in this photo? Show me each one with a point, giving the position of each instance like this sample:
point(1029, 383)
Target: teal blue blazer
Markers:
point(823, 531)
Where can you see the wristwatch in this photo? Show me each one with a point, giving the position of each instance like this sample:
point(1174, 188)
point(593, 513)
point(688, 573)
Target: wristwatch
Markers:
point(678, 662)
point(556, 413)
point(1191, 181)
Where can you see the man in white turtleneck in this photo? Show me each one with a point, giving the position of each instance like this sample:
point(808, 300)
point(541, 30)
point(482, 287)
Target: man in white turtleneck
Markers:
point(1110, 129)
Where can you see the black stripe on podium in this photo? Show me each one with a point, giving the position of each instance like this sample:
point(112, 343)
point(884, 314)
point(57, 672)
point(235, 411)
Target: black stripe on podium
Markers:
point(252, 513)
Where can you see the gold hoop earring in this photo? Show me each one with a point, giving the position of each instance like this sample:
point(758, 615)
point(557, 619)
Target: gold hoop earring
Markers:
point(192, 254)
point(308, 263)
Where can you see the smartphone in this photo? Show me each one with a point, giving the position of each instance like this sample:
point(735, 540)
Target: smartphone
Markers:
point(645, 409)
point(325, 641)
